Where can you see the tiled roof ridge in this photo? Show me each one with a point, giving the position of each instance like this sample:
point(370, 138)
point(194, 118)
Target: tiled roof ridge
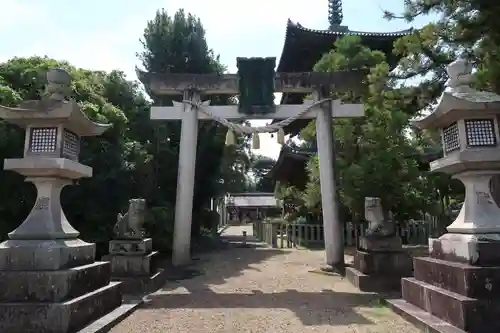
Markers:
point(344, 30)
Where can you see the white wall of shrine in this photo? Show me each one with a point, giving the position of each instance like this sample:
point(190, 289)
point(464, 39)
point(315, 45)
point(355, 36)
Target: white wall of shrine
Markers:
point(253, 201)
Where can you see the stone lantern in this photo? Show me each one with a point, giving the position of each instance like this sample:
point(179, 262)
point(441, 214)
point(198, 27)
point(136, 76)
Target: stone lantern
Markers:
point(458, 284)
point(49, 279)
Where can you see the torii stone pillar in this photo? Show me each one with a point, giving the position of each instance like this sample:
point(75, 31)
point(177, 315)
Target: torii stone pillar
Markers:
point(185, 180)
point(208, 84)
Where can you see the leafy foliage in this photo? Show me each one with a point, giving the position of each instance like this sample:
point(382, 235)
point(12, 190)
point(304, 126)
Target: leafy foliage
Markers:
point(260, 167)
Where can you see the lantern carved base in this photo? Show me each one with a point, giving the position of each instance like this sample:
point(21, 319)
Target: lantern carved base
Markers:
point(379, 264)
point(479, 213)
point(46, 219)
point(49, 279)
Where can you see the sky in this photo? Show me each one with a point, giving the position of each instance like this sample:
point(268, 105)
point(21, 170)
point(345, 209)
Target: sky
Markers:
point(104, 34)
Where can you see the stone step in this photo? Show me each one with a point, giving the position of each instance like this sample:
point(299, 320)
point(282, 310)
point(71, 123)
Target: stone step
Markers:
point(461, 278)
point(143, 284)
point(53, 286)
point(466, 313)
point(68, 316)
point(372, 283)
point(130, 266)
point(421, 318)
point(396, 262)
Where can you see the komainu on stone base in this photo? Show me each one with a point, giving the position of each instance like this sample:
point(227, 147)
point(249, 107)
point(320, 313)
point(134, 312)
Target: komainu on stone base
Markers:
point(133, 261)
point(380, 261)
point(129, 226)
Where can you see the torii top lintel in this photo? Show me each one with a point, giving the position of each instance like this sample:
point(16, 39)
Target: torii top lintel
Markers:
point(209, 84)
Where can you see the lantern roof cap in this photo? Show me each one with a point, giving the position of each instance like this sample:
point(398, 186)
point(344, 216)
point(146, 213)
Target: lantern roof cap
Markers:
point(459, 100)
point(54, 108)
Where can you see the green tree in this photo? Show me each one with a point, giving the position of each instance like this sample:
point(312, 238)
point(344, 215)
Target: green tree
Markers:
point(260, 167)
point(311, 195)
point(371, 152)
point(462, 27)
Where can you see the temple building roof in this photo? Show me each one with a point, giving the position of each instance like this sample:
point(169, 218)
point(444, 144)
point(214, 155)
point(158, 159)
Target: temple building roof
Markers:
point(304, 47)
point(290, 167)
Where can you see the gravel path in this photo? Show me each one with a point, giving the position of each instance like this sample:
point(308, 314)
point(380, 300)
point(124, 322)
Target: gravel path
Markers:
point(261, 290)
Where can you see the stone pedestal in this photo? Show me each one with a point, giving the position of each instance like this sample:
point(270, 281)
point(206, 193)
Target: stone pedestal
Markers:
point(134, 263)
point(379, 261)
point(454, 293)
point(53, 286)
point(379, 264)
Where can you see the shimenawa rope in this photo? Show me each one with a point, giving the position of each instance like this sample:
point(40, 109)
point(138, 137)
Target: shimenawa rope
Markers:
point(238, 128)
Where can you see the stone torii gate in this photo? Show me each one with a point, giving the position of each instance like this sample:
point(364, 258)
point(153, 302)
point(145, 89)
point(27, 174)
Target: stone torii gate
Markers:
point(255, 85)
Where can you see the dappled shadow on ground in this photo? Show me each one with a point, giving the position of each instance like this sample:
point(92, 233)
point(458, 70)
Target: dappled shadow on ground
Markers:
point(234, 259)
point(233, 254)
point(311, 308)
point(266, 283)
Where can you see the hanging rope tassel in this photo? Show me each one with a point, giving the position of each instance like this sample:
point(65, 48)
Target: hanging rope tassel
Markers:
point(230, 138)
point(281, 136)
point(255, 141)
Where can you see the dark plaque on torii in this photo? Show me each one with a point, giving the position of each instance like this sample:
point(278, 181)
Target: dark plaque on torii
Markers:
point(256, 84)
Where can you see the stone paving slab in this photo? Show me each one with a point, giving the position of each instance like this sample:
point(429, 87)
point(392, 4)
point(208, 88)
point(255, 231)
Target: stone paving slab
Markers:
point(257, 289)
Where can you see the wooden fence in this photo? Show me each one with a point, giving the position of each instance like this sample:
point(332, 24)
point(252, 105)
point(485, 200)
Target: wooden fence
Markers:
point(290, 235)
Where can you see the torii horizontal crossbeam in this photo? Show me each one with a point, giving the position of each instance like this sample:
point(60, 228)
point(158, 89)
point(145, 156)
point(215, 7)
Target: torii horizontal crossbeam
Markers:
point(231, 112)
point(228, 84)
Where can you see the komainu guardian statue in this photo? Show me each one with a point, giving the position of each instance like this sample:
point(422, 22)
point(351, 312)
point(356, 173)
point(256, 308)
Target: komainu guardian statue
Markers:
point(380, 224)
point(130, 225)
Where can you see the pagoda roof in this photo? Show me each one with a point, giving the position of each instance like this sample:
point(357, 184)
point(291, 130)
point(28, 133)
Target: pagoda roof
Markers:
point(321, 41)
point(290, 166)
point(304, 47)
